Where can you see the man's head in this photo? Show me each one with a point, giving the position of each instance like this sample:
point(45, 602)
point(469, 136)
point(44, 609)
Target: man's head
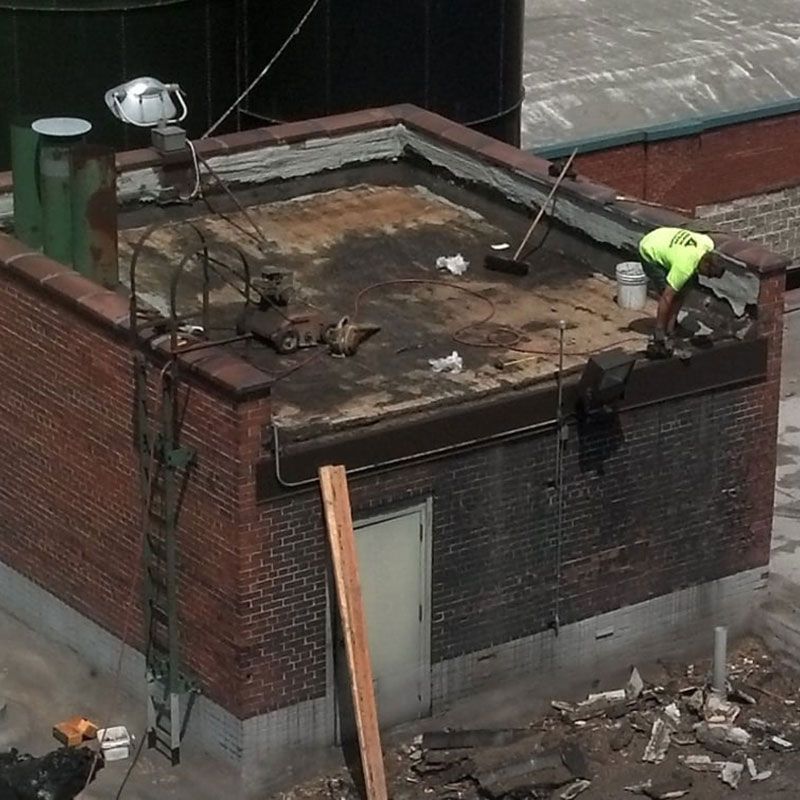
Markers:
point(711, 265)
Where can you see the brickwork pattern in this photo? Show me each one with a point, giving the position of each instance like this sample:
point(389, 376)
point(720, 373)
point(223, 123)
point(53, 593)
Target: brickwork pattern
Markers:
point(772, 220)
point(69, 491)
point(713, 166)
point(673, 497)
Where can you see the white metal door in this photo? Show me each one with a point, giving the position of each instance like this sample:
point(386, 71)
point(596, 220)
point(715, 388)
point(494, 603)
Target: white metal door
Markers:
point(394, 569)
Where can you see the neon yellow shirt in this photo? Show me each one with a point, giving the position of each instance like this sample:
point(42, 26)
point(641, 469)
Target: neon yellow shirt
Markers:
point(677, 251)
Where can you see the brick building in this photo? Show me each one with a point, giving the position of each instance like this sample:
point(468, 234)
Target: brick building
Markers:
point(479, 557)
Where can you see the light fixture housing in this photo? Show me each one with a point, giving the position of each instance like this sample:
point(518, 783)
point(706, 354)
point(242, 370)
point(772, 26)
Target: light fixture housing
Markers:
point(602, 385)
point(147, 102)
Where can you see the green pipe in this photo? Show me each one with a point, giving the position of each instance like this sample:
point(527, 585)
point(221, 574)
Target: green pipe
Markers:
point(94, 213)
point(54, 176)
point(27, 208)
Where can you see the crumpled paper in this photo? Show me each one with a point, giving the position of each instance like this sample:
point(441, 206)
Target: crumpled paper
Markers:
point(455, 265)
point(452, 363)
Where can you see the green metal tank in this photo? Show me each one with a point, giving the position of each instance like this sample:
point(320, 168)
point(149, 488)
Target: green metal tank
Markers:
point(60, 56)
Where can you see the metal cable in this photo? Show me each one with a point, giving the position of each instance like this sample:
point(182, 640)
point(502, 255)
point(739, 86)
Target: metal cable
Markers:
point(492, 339)
point(263, 72)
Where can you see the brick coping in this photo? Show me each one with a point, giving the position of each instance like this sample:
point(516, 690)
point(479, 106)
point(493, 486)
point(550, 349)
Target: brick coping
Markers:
point(231, 374)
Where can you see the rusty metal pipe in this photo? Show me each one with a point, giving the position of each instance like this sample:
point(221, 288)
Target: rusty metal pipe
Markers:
point(94, 213)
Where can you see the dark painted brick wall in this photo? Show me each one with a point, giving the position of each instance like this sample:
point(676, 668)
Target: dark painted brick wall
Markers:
point(658, 503)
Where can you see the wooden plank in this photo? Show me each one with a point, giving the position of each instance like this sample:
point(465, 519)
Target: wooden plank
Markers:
point(339, 522)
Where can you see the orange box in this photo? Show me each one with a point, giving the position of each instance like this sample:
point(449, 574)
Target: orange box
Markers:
point(73, 731)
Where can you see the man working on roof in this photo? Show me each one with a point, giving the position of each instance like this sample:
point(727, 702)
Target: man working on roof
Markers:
point(675, 256)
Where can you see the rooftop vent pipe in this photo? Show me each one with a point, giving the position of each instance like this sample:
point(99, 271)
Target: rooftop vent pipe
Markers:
point(65, 196)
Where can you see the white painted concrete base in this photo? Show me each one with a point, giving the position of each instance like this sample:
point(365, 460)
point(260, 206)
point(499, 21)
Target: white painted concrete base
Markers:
point(268, 749)
point(671, 625)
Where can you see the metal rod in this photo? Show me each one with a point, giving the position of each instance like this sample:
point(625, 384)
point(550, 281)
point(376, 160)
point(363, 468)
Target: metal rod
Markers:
point(393, 462)
point(559, 471)
point(544, 205)
point(719, 672)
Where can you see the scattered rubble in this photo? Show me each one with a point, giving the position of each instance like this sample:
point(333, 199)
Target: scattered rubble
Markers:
point(663, 735)
point(657, 747)
point(755, 775)
point(59, 775)
point(622, 737)
point(731, 773)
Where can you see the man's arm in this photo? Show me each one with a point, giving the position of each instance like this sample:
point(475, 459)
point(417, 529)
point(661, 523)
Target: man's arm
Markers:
point(668, 305)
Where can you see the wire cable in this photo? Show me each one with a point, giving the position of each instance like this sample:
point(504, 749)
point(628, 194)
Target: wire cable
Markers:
point(196, 189)
point(494, 338)
point(131, 767)
point(259, 237)
point(263, 72)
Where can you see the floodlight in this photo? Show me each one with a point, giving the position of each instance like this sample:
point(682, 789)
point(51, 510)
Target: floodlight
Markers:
point(146, 102)
point(602, 384)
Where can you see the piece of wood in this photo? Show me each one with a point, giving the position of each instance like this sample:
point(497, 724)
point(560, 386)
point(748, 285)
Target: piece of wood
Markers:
point(339, 522)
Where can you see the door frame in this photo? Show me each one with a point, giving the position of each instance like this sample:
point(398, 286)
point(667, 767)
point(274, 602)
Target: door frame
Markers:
point(425, 509)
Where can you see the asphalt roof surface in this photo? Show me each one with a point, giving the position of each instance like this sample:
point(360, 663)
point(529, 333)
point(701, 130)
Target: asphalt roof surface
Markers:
point(369, 252)
point(596, 67)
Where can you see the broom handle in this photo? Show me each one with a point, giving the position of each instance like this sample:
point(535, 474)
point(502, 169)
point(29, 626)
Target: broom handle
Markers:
point(544, 205)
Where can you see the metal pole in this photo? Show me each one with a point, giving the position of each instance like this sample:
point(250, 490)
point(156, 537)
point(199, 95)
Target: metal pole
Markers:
point(24, 169)
point(559, 472)
point(719, 673)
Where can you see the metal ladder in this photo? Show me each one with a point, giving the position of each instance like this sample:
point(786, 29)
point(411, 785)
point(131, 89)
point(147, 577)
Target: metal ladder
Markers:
point(164, 466)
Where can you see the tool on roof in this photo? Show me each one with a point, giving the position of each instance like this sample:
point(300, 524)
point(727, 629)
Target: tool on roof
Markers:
point(286, 326)
point(513, 266)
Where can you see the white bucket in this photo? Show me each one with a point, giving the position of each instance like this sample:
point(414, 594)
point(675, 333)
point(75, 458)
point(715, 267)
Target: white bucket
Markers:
point(115, 742)
point(631, 286)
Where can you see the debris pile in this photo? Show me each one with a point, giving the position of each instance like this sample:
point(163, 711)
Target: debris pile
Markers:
point(59, 775)
point(663, 735)
point(498, 764)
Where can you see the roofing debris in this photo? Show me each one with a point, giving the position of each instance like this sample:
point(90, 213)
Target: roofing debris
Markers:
point(59, 775)
point(664, 734)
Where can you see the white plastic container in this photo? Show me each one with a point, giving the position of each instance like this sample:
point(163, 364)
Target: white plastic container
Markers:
point(115, 742)
point(631, 286)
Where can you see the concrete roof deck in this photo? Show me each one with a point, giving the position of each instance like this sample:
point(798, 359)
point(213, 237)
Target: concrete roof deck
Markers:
point(598, 67)
point(341, 240)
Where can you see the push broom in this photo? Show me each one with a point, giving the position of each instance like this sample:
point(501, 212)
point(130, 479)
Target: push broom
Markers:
point(513, 266)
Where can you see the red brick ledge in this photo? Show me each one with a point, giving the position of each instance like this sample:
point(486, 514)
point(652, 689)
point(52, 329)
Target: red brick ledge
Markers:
point(215, 366)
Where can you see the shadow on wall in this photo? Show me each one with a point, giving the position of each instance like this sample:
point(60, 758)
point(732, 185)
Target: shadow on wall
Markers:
point(599, 437)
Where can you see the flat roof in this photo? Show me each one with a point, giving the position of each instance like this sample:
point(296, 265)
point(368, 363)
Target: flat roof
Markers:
point(599, 67)
point(379, 242)
point(378, 195)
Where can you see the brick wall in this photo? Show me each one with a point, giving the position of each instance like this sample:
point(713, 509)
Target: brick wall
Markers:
point(772, 219)
point(69, 485)
point(673, 497)
point(711, 166)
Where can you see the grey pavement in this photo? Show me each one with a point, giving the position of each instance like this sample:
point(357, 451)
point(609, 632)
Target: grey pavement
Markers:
point(44, 683)
point(594, 67)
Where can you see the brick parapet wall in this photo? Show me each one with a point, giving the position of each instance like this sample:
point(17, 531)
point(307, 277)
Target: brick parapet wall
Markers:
point(772, 219)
